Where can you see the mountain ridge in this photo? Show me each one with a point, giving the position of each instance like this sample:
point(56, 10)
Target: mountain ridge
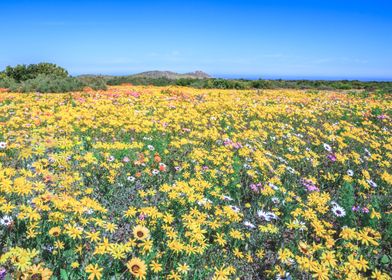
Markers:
point(156, 74)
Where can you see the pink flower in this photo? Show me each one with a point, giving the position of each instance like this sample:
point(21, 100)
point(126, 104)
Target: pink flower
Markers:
point(134, 94)
point(355, 208)
point(254, 188)
point(331, 157)
point(142, 217)
point(310, 186)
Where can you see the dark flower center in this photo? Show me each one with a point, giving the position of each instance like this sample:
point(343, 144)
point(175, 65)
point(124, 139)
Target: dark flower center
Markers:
point(36, 276)
point(135, 268)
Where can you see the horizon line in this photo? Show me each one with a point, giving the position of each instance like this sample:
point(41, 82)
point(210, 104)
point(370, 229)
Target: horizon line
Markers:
point(260, 76)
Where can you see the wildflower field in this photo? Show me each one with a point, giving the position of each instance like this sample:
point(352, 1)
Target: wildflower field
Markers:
point(181, 183)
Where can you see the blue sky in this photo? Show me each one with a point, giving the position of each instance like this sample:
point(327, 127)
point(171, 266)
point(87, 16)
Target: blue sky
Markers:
point(323, 39)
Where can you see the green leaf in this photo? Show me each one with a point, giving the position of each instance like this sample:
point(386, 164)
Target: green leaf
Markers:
point(64, 274)
point(385, 259)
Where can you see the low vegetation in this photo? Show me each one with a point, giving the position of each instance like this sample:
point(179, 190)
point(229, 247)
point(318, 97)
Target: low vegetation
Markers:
point(381, 87)
point(45, 77)
point(143, 182)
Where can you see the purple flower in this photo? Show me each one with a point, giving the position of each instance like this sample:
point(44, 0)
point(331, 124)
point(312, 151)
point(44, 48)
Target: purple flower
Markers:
point(227, 142)
point(356, 208)
point(253, 187)
point(142, 216)
point(237, 145)
point(3, 273)
point(365, 210)
point(331, 157)
point(310, 186)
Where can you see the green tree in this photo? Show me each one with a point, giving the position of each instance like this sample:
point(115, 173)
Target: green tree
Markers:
point(26, 72)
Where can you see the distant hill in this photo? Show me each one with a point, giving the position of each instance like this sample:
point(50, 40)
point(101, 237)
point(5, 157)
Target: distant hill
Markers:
point(172, 75)
point(159, 74)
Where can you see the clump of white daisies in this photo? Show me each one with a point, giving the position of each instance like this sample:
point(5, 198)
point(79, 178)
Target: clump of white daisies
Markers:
point(267, 216)
point(249, 224)
point(337, 210)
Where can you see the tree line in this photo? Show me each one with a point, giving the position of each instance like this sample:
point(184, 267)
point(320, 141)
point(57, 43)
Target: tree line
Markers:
point(45, 77)
point(49, 77)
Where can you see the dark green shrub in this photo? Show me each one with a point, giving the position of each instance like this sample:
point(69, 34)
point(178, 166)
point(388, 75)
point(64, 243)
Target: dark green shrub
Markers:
point(49, 83)
point(26, 72)
point(95, 82)
point(6, 82)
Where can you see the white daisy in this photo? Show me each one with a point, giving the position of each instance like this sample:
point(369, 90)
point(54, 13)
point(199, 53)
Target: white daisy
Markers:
point(372, 183)
point(204, 201)
point(235, 208)
point(268, 216)
point(151, 147)
point(367, 152)
point(327, 147)
point(285, 276)
point(111, 158)
point(290, 169)
point(262, 214)
point(275, 187)
point(272, 216)
point(249, 224)
point(3, 145)
point(6, 221)
point(48, 248)
point(338, 211)
point(227, 198)
point(247, 166)
point(301, 225)
point(155, 172)
point(131, 179)
point(350, 173)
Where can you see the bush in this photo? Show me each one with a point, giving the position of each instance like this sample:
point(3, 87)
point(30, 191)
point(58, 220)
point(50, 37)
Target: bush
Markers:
point(52, 83)
point(95, 82)
point(48, 83)
point(6, 82)
point(27, 72)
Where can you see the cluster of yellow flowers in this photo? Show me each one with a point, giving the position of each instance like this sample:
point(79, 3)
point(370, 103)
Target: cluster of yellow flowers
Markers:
point(180, 183)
